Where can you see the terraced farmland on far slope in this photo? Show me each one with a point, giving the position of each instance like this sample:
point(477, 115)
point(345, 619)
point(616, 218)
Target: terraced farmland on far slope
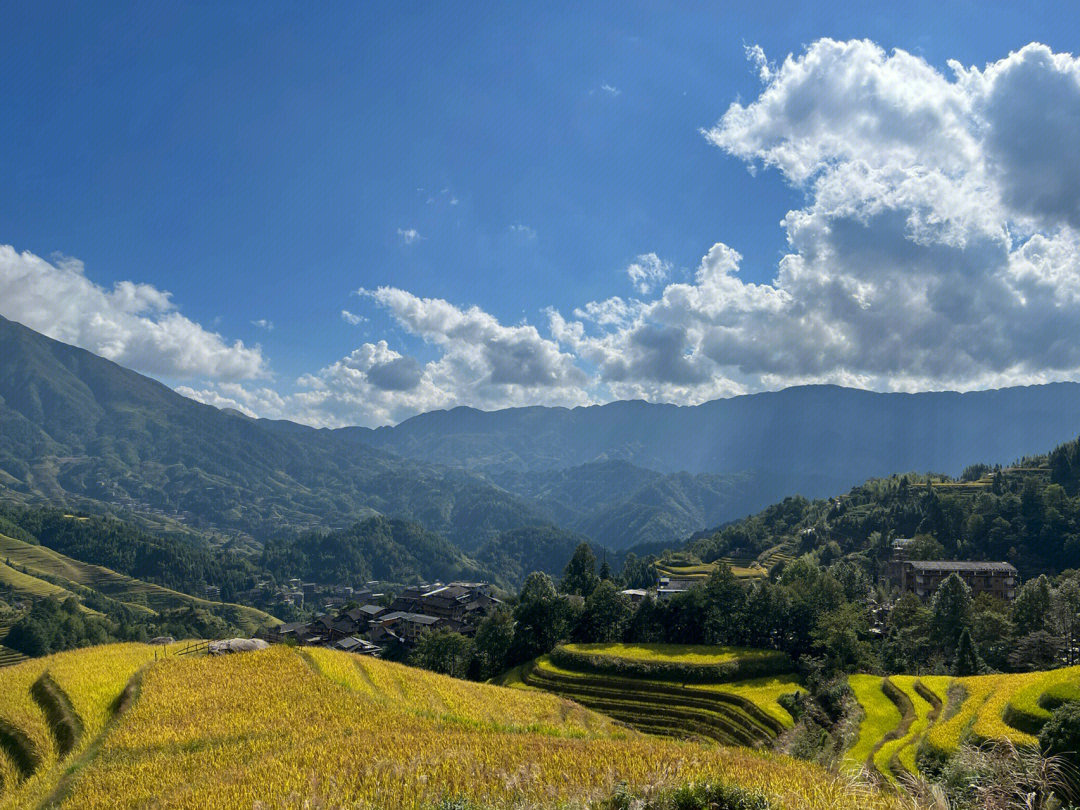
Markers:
point(45, 568)
point(727, 695)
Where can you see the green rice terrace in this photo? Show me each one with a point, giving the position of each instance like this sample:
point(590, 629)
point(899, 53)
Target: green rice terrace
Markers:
point(735, 697)
point(728, 695)
point(909, 719)
point(742, 566)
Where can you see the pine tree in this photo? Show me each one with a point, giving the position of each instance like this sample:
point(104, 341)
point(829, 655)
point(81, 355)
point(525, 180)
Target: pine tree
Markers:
point(579, 576)
point(967, 660)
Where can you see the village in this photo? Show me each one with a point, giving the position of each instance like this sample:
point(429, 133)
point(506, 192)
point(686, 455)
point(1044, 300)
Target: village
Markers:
point(366, 621)
point(366, 627)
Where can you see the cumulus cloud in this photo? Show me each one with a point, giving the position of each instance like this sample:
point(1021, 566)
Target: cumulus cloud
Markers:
point(263, 323)
point(352, 318)
point(610, 89)
point(647, 271)
point(134, 324)
point(936, 245)
point(409, 236)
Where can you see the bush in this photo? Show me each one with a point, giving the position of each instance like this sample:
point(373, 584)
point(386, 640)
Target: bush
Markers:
point(1061, 734)
point(703, 796)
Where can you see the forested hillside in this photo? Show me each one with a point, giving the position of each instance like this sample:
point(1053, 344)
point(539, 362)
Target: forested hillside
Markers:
point(1027, 513)
point(78, 429)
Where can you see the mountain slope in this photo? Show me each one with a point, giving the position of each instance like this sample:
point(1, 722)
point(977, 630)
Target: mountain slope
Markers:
point(76, 427)
point(619, 505)
point(812, 440)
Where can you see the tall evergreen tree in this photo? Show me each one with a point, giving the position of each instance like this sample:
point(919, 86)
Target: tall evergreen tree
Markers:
point(950, 612)
point(967, 660)
point(579, 576)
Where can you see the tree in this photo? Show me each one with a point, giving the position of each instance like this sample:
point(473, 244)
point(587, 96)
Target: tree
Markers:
point(443, 651)
point(1032, 606)
point(543, 618)
point(907, 646)
point(967, 660)
point(838, 635)
point(638, 572)
point(494, 637)
point(605, 570)
point(579, 576)
point(950, 612)
point(1035, 651)
point(725, 611)
point(606, 616)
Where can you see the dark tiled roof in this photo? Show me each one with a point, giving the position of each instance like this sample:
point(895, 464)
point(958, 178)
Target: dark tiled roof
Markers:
point(962, 565)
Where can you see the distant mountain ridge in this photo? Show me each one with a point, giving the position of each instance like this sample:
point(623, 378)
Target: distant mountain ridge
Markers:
point(77, 428)
point(754, 450)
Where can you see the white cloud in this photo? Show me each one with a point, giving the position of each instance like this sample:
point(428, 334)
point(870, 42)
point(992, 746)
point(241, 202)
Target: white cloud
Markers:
point(409, 236)
point(352, 318)
point(937, 245)
point(647, 271)
point(523, 230)
point(610, 90)
point(263, 323)
point(134, 324)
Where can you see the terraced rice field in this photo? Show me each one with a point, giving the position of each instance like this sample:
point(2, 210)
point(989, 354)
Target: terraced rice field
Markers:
point(140, 595)
point(659, 701)
point(906, 714)
point(316, 728)
point(51, 710)
point(8, 656)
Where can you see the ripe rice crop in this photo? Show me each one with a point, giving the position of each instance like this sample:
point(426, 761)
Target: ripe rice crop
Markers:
point(91, 680)
point(881, 717)
point(1038, 694)
point(686, 654)
point(268, 728)
point(903, 748)
point(678, 662)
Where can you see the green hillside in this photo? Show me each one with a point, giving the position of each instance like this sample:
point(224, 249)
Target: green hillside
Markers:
point(1027, 513)
point(45, 568)
point(77, 429)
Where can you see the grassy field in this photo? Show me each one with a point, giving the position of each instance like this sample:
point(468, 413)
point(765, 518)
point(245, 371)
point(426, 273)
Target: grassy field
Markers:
point(314, 728)
point(642, 691)
point(938, 713)
point(138, 594)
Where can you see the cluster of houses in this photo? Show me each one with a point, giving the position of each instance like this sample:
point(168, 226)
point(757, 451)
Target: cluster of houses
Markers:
point(418, 609)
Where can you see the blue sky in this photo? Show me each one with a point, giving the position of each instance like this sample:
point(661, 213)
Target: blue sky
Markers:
point(495, 168)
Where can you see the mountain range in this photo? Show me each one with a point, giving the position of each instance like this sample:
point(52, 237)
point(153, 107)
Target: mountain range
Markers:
point(78, 429)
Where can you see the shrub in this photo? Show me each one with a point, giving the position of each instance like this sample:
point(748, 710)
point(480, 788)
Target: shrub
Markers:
point(703, 796)
point(1061, 734)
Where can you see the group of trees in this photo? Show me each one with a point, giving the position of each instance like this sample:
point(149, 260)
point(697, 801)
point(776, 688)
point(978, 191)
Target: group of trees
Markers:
point(53, 625)
point(819, 606)
point(967, 635)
